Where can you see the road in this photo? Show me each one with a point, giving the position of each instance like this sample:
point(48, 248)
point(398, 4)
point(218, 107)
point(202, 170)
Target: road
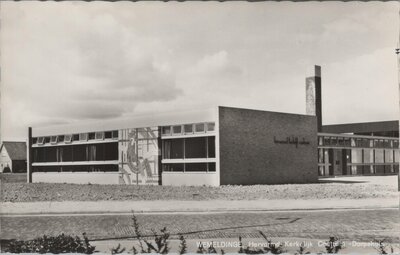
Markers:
point(360, 225)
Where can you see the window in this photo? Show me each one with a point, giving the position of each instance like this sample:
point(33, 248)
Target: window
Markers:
point(115, 134)
point(211, 167)
point(368, 156)
point(196, 167)
point(199, 128)
point(47, 139)
point(75, 137)
point(211, 146)
point(60, 138)
point(80, 153)
point(188, 129)
point(388, 156)
point(108, 135)
point(68, 138)
point(83, 137)
point(53, 139)
point(173, 148)
point(166, 130)
point(91, 136)
point(99, 136)
point(195, 147)
point(178, 167)
point(177, 130)
point(210, 126)
point(34, 140)
point(379, 156)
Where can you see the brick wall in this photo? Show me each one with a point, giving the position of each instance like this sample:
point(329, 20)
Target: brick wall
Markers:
point(250, 155)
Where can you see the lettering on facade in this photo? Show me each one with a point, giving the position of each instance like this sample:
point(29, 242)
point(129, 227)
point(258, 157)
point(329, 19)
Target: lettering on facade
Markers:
point(292, 140)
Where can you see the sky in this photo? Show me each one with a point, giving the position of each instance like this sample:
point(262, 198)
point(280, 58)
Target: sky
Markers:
point(68, 62)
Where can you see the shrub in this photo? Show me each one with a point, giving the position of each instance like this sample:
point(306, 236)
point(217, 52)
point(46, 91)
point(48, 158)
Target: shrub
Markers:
point(58, 244)
point(160, 244)
point(117, 250)
point(333, 245)
point(182, 245)
point(302, 249)
point(382, 246)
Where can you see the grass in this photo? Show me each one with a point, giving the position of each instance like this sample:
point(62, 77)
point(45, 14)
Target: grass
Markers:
point(24, 192)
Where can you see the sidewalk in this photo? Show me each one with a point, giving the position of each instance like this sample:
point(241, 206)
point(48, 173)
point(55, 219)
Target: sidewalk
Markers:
point(173, 206)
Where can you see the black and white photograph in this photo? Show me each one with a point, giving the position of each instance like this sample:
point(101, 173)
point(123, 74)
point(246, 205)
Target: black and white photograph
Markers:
point(199, 127)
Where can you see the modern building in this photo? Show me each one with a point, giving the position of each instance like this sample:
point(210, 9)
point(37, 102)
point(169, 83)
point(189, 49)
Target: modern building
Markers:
point(370, 148)
point(212, 147)
point(217, 146)
point(13, 157)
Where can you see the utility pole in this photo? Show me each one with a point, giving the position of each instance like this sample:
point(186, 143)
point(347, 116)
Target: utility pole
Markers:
point(398, 78)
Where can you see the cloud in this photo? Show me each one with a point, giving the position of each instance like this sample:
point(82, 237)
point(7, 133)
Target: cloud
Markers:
point(76, 61)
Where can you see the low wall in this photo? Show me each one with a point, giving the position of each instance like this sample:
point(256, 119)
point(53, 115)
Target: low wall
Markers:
point(78, 178)
point(189, 179)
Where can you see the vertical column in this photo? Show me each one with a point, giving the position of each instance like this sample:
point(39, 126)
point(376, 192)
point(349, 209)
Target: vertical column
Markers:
point(29, 156)
point(313, 96)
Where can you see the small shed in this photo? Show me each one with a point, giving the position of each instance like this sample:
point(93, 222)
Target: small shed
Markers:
point(13, 157)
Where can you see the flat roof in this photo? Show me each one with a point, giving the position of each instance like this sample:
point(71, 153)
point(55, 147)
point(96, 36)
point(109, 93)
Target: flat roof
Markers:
point(134, 121)
point(362, 127)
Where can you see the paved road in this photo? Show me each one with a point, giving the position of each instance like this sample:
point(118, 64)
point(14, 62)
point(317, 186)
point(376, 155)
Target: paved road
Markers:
point(361, 225)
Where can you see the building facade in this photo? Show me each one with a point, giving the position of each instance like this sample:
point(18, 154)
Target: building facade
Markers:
point(216, 147)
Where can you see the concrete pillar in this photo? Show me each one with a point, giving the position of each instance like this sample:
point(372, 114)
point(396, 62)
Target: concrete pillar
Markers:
point(313, 96)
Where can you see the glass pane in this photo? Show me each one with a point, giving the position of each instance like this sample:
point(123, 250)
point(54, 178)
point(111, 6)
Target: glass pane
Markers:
point(75, 137)
point(188, 129)
point(196, 167)
point(388, 156)
point(115, 134)
point(99, 135)
point(173, 148)
point(177, 130)
point(379, 156)
point(210, 126)
point(178, 167)
point(195, 147)
point(368, 156)
point(166, 130)
point(211, 146)
point(92, 136)
point(211, 167)
point(83, 137)
point(53, 139)
point(199, 127)
point(356, 156)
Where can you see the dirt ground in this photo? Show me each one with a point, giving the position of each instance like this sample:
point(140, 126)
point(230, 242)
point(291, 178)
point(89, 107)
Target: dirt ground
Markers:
point(357, 187)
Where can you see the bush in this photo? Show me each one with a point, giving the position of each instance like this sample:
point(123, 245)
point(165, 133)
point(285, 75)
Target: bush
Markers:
point(58, 244)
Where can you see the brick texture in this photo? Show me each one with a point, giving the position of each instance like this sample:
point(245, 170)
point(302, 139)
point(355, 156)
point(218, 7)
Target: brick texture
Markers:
point(250, 155)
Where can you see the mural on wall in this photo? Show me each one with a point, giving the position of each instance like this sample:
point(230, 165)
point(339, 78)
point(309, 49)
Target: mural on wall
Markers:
point(139, 156)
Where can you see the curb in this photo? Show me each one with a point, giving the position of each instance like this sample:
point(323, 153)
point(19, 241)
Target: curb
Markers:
point(222, 210)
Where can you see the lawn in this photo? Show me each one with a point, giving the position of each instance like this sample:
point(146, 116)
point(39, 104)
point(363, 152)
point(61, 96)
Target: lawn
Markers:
point(367, 187)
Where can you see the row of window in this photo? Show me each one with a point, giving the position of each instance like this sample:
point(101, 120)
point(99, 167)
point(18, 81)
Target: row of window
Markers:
point(188, 129)
point(194, 147)
point(362, 170)
point(357, 142)
point(75, 137)
point(357, 156)
point(77, 168)
point(81, 152)
point(189, 167)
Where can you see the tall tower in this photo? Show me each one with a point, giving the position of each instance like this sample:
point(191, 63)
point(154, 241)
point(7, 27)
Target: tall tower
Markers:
point(313, 96)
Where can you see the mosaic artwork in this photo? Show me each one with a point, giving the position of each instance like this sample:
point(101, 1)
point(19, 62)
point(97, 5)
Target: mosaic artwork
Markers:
point(139, 156)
